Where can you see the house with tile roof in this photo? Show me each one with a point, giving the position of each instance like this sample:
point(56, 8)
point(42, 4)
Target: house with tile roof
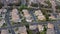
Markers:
point(50, 29)
point(21, 30)
point(15, 16)
point(27, 15)
point(39, 15)
point(40, 28)
point(4, 32)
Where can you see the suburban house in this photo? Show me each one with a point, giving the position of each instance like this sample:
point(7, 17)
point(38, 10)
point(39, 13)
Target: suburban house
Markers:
point(27, 15)
point(52, 17)
point(50, 29)
point(53, 4)
point(21, 30)
point(2, 16)
point(3, 11)
point(4, 32)
point(57, 2)
point(9, 1)
point(36, 26)
point(39, 15)
point(36, 2)
point(32, 1)
point(15, 16)
point(32, 27)
point(40, 28)
point(2, 22)
point(43, 2)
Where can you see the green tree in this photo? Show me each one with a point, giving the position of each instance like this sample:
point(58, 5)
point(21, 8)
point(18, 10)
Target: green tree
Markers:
point(44, 11)
point(22, 7)
point(48, 2)
point(1, 5)
point(29, 31)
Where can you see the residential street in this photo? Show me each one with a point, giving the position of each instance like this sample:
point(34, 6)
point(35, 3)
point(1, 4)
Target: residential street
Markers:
point(31, 12)
point(8, 21)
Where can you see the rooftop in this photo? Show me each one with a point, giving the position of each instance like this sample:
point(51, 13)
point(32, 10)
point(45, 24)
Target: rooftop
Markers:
point(40, 28)
point(4, 32)
point(22, 30)
point(32, 27)
point(38, 12)
point(50, 26)
point(26, 13)
point(52, 17)
point(50, 29)
point(39, 15)
point(15, 16)
point(9, 1)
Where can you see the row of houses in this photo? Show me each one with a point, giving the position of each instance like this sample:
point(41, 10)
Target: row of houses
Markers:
point(4, 32)
point(16, 1)
point(37, 2)
point(2, 16)
point(9, 1)
point(40, 15)
point(50, 28)
point(33, 27)
point(21, 30)
point(53, 5)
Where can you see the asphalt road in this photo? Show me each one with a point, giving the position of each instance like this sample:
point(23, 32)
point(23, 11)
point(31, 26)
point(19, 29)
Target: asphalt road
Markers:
point(31, 12)
point(56, 23)
point(8, 21)
point(10, 27)
point(23, 2)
